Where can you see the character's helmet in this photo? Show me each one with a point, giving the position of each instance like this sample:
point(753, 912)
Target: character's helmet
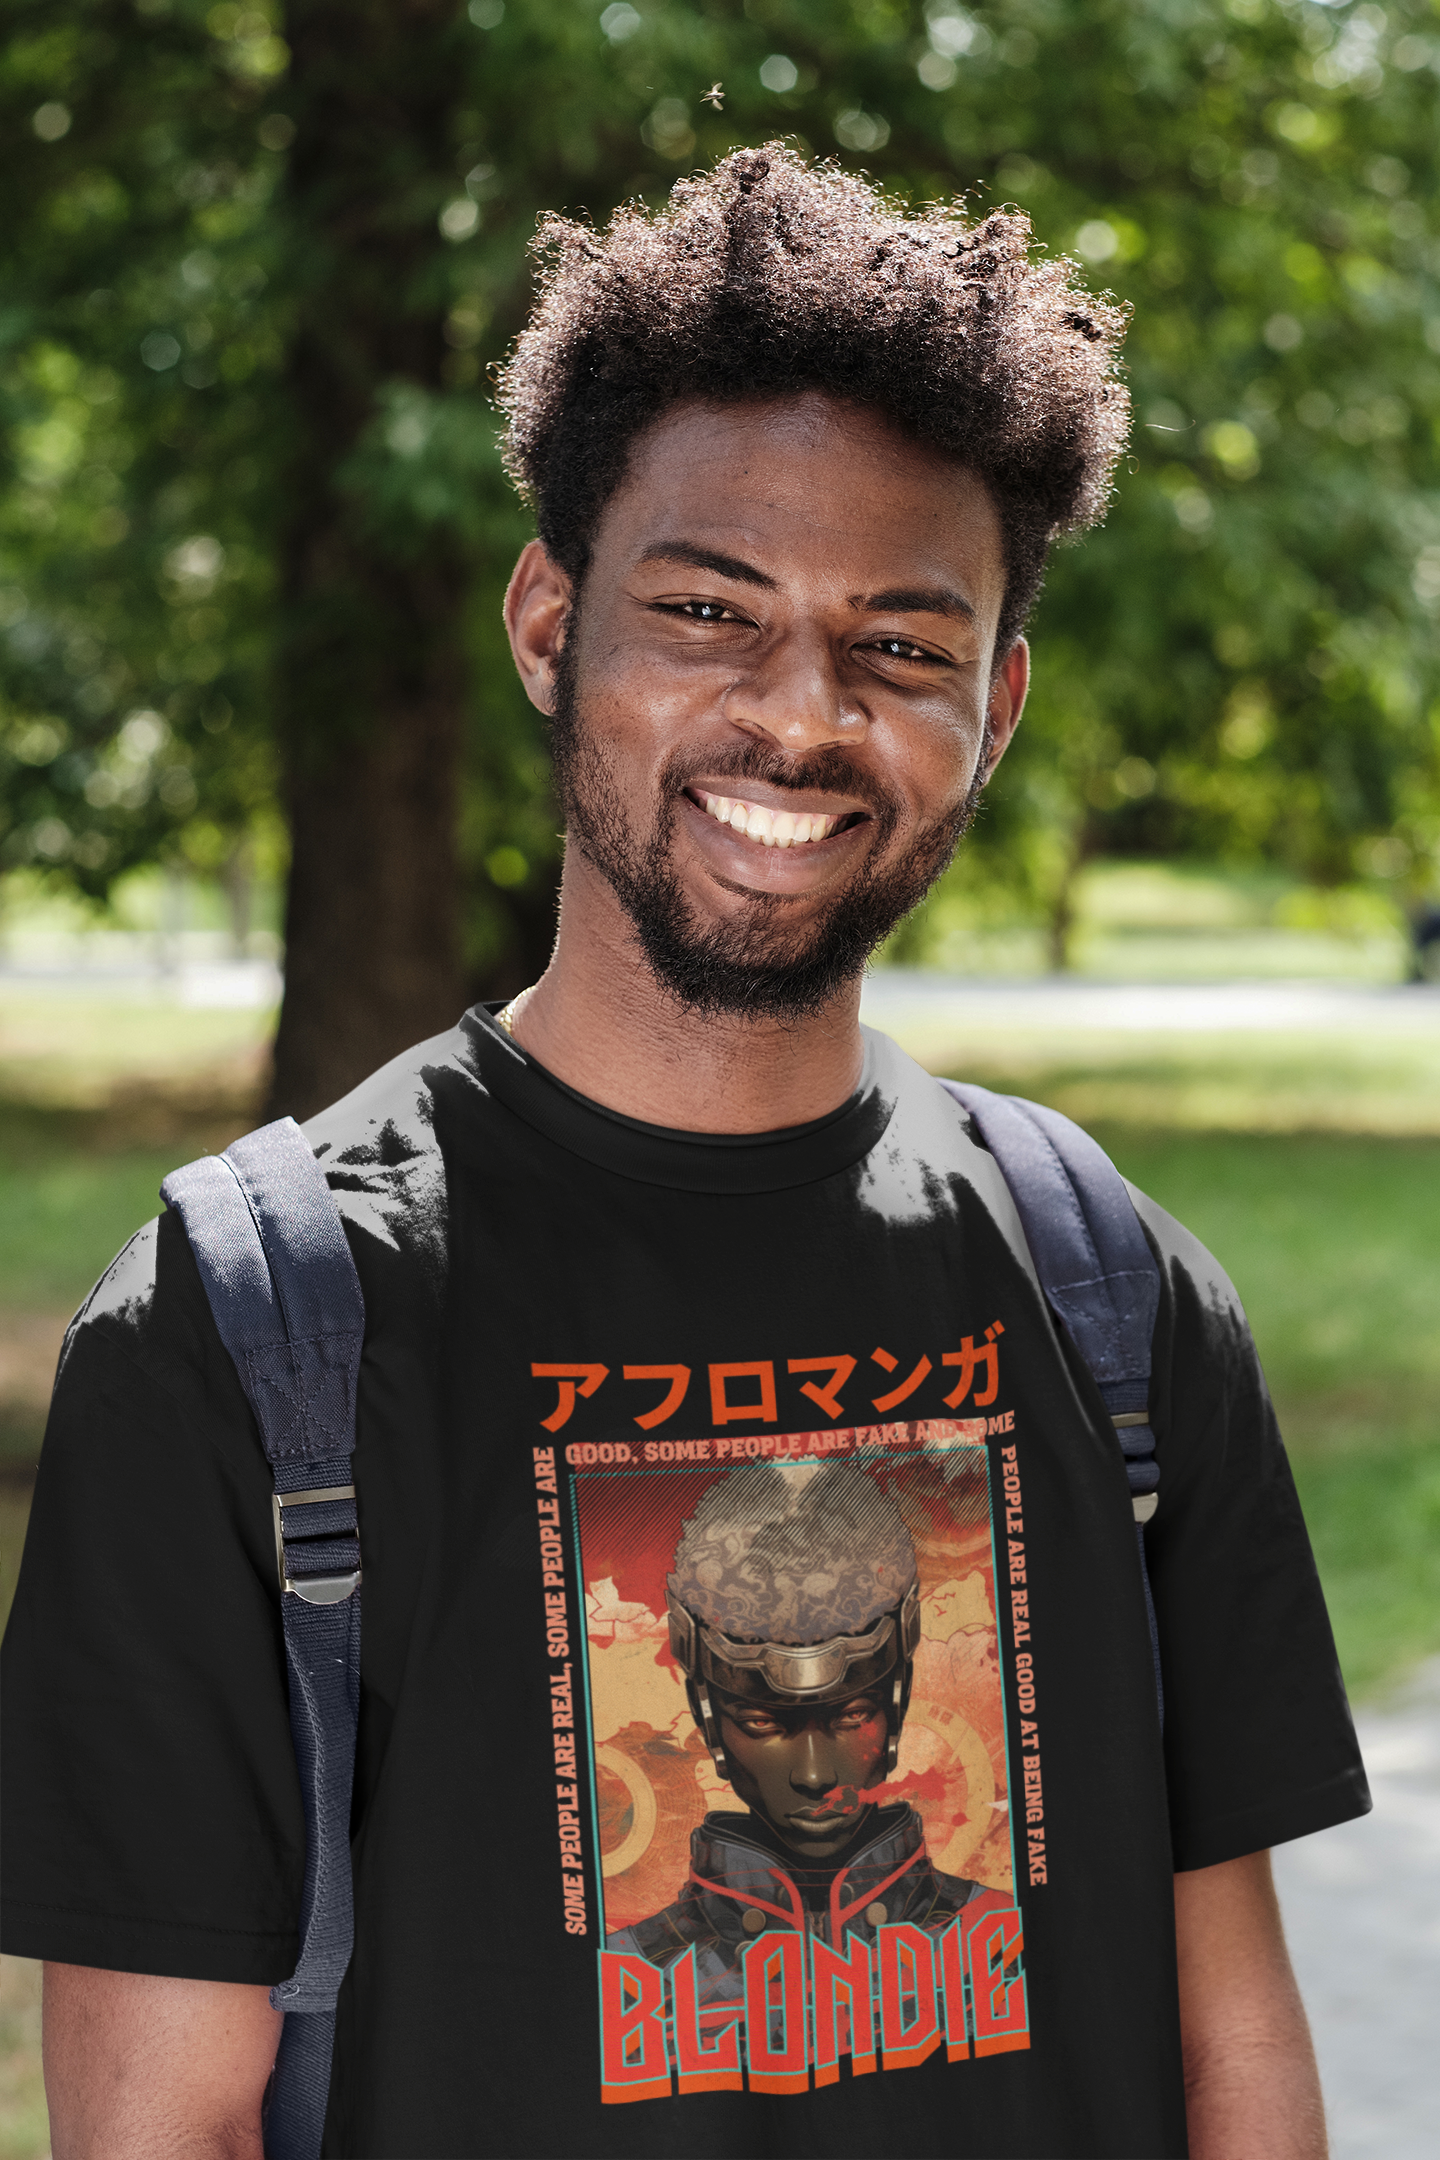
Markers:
point(795, 1584)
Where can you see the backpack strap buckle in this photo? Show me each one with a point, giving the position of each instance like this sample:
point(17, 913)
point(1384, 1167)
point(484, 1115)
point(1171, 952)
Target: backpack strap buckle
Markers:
point(326, 1534)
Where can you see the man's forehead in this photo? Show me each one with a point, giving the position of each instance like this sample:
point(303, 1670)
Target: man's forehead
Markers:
point(786, 1706)
point(757, 491)
point(800, 422)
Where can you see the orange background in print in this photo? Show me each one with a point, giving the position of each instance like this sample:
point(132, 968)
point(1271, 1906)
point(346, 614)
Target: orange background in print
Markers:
point(654, 1778)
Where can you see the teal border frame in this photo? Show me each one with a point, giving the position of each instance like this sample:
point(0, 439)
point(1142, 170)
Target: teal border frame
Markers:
point(860, 1454)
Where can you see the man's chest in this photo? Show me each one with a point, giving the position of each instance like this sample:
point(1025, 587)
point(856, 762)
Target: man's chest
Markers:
point(668, 1319)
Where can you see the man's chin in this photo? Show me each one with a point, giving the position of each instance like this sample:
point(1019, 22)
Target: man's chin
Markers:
point(768, 955)
point(765, 959)
point(820, 1841)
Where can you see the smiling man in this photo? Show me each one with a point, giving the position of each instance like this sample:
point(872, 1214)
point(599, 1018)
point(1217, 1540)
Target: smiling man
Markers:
point(672, 1215)
point(851, 665)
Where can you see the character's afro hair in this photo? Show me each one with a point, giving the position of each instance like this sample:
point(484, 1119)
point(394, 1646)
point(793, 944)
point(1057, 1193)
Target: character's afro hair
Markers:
point(793, 1554)
point(768, 276)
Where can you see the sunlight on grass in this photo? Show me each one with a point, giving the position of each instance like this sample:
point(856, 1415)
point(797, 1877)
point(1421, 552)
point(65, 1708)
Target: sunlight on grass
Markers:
point(69, 1051)
point(67, 1211)
point(1334, 1245)
point(24, 2123)
point(1241, 1081)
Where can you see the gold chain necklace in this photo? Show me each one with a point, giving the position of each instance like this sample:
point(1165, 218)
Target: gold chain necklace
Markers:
point(508, 1014)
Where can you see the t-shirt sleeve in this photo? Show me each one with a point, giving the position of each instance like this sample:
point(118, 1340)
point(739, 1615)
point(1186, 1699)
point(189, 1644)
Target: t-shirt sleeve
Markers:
point(153, 1821)
point(1259, 1742)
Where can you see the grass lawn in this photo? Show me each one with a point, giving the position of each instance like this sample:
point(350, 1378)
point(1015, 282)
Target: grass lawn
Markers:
point(68, 1209)
point(1334, 1245)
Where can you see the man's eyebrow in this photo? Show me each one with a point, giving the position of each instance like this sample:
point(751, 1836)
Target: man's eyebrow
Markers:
point(703, 558)
point(917, 600)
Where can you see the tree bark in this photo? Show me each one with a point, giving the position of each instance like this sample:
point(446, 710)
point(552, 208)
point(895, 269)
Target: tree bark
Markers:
point(370, 676)
point(372, 943)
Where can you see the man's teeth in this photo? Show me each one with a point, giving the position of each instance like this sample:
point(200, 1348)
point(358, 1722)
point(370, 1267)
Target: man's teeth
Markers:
point(772, 828)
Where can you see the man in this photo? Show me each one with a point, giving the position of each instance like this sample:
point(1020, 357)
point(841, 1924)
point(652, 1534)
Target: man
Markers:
point(795, 462)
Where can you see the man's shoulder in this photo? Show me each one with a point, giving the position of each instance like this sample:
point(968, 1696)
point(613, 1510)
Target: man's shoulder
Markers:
point(664, 1936)
point(390, 1116)
point(932, 1161)
point(1181, 1255)
point(384, 1146)
point(931, 1126)
point(144, 1344)
point(381, 1148)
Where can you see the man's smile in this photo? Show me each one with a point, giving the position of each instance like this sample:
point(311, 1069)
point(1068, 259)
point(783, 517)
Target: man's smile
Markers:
point(772, 827)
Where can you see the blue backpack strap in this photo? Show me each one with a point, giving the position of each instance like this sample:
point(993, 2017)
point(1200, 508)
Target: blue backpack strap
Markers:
point(273, 1257)
point(1096, 1269)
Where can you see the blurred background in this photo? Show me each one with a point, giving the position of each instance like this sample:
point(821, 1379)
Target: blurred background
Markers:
point(272, 805)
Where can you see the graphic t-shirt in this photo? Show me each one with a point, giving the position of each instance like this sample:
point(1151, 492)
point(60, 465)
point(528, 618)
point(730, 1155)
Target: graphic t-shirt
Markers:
point(759, 1749)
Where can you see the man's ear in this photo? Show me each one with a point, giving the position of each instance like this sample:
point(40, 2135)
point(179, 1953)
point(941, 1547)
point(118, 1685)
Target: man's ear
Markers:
point(1007, 700)
point(537, 609)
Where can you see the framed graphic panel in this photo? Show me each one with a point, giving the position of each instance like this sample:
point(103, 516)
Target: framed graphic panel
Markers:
point(798, 1770)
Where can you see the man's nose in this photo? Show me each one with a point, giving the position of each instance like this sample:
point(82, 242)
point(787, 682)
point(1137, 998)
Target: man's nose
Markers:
point(794, 695)
point(813, 1766)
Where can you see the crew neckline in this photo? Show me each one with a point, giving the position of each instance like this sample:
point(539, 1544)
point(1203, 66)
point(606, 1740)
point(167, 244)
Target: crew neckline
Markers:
point(687, 1161)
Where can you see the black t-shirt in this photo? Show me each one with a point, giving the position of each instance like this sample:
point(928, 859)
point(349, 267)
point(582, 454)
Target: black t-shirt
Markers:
point(598, 1354)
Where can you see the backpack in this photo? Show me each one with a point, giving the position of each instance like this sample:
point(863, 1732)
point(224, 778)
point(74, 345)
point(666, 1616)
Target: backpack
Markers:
point(281, 1283)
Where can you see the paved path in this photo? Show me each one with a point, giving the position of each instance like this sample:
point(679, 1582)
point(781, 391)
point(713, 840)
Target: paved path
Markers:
point(1362, 1911)
point(894, 996)
point(239, 983)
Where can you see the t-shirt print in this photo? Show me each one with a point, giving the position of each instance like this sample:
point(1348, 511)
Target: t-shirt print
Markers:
point(782, 1752)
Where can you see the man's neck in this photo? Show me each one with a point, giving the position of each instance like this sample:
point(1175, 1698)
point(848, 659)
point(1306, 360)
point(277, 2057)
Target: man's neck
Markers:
point(598, 1020)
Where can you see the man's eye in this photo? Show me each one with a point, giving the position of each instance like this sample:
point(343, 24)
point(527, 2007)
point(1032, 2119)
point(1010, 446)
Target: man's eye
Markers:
point(707, 611)
point(857, 1713)
point(895, 648)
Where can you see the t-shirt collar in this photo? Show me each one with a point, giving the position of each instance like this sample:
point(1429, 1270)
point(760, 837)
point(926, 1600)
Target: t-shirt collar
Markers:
point(687, 1161)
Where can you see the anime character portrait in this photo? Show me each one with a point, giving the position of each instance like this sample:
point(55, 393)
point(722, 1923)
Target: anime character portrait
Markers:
point(794, 1615)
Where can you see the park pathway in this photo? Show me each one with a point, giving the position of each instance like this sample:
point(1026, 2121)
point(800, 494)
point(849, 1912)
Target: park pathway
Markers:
point(1362, 1912)
point(895, 997)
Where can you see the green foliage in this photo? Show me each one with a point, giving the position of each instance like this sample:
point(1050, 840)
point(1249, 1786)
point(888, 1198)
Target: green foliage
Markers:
point(137, 346)
point(1241, 663)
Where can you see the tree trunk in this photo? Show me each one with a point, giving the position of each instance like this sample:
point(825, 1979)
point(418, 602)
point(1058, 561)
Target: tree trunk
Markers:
point(372, 944)
point(370, 678)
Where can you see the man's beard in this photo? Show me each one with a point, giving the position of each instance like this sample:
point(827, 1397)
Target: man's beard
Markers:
point(757, 967)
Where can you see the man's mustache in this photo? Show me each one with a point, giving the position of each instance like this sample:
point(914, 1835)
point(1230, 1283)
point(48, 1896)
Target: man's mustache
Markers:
point(829, 771)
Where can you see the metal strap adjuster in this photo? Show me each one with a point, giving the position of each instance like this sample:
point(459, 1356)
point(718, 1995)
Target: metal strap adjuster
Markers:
point(1143, 1504)
point(311, 1589)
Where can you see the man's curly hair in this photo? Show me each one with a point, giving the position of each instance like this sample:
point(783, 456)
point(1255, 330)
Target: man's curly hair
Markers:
point(767, 277)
